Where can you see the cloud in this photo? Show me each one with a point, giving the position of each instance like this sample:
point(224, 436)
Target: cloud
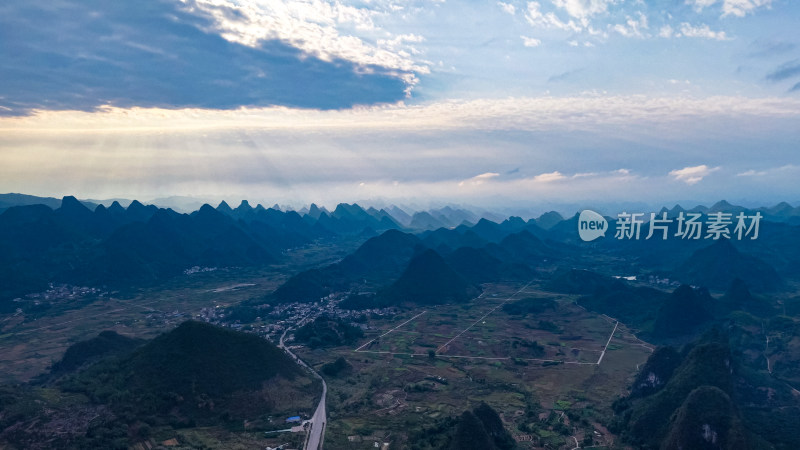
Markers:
point(549, 177)
point(752, 173)
point(583, 9)
point(478, 179)
point(536, 18)
point(580, 13)
point(515, 113)
point(741, 8)
point(632, 27)
point(738, 8)
point(508, 8)
point(400, 40)
point(286, 154)
point(156, 54)
point(699, 5)
point(692, 31)
point(774, 171)
point(530, 42)
point(702, 31)
point(311, 26)
point(692, 175)
point(597, 18)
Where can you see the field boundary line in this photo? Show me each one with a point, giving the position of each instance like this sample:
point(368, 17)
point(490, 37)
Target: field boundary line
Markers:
point(484, 316)
point(393, 329)
point(603, 353)
point(487, 358)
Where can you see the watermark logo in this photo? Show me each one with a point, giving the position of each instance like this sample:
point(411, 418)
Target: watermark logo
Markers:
point(591, 225)
point(689, 226)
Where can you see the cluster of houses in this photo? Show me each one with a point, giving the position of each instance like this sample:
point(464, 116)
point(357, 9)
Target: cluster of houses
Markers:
point(57, 292)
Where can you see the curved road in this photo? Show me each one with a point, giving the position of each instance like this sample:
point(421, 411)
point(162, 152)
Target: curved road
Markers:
point(318, 422)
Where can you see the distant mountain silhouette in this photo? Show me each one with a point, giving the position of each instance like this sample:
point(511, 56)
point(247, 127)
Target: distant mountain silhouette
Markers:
point(425, 221)
point(525, 247)
point(782, 212)
point(452, 217)
point(310, 286)
point(490, 231)
point(137, 212)
point(452, 239)
point(169, 243)
point(225, 208)
point(634, 305)
point(353, 219)
point(381, 257)
point(315, 211)
point(717, 265)
point(115, 208)
point(9, 200)
point(549, 220)
point(428, 280)
point(107, 343)
point(739, 298)
point(384, 217)
point(476, 265)
point(578, 281)
point(683, 313)
point(379, 260)
point(117, 246)
point(399, 215)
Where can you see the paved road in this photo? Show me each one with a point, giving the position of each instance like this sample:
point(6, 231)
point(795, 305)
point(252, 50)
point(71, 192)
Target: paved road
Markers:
point(318, 422)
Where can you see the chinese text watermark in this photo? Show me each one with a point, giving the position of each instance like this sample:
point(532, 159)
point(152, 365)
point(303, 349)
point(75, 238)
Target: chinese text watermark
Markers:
point(688, 225)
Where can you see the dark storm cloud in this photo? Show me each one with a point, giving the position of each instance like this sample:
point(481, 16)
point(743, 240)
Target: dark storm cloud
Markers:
point(70, 54)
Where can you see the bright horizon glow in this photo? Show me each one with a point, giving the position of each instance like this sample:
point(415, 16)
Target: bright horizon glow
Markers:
point(500, 104)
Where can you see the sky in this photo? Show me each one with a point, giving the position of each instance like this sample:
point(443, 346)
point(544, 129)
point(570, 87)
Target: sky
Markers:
point(485, 103)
